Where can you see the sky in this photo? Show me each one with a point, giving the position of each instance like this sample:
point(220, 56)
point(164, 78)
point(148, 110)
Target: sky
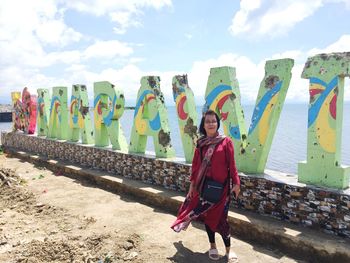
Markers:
point(47, 43)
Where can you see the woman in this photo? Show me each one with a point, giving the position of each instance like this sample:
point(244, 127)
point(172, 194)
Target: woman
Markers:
point(213, 159)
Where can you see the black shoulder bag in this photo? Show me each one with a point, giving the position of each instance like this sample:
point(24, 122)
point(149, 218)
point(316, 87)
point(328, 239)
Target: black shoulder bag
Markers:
point(212, 190)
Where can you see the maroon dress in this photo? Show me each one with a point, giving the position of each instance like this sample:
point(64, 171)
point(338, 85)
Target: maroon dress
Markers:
point(213, 215)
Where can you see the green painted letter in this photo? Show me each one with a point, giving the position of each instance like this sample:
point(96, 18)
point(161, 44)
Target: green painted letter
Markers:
point(326, 73)
point(58, 125)
point(151, 119)
point(43, 111)
point(187, 115)
point(108, 108)
point(79, 120)
point(223, 96)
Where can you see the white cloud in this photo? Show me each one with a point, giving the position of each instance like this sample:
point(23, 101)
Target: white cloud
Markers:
point(27, 28)
point(124, 20)
point(124, 13)
point(273, 17)
point(34, 36)
point(341, 45)
point(102, 7)
point(107, 49)
point(65, 57)
point(189, 36)
point(30, 78)
point(75, 68)
point(40, 20)
point(57, 33)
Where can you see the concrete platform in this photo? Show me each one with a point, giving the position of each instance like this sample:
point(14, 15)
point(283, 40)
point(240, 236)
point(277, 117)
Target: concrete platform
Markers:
point(298, 242)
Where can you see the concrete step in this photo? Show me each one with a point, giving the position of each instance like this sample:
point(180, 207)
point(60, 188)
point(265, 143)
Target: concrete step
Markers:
point(295, 241)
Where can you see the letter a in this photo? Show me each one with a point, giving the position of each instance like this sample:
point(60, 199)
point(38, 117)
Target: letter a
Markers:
point(151, 119)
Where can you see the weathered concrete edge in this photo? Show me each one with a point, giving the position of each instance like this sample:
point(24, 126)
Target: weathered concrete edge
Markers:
point(292, 240)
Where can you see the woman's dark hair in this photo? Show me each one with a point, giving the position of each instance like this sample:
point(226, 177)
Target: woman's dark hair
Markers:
point(201, 126)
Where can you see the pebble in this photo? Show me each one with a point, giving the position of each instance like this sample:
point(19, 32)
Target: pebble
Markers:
point(131, 256)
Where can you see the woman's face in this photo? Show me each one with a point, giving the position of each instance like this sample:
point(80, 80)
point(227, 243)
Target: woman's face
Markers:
point(210, 125)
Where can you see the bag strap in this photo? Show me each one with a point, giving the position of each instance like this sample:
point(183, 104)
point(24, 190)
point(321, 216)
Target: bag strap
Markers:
point(227, 161)
point(204, 165)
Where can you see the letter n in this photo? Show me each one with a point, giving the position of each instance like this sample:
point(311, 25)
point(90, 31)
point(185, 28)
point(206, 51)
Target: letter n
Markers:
point(58, 123)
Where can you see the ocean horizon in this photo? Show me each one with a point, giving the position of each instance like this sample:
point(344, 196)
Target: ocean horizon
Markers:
point(288, 147)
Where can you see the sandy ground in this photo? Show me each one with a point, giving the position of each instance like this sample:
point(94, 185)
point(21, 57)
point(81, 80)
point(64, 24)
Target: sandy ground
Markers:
point(47, 217)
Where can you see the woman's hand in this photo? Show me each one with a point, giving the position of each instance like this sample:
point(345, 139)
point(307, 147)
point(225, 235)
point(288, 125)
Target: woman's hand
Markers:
point(191, 191)
point(236, 189)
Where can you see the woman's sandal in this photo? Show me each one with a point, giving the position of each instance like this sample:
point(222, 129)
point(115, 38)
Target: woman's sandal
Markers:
point(232, 257)
point(213, 254)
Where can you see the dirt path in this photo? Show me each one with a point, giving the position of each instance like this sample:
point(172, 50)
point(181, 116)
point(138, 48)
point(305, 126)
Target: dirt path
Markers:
point(46, 217)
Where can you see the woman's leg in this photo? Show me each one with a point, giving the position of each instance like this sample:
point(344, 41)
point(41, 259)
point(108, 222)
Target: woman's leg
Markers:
point(231, 256)
point(211, 236)
point(227, 242)
point(213, 252)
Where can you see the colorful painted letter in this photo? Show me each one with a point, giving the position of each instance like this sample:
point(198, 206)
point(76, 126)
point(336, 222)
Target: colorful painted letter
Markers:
point(43, 111)
point(223, 96)
point(24, 116)
point(268, 107)
point(79, 118)
point(17, 115)
point(326, 73)
point(58, 127)
point(108, 108)
point(187, 115)
point(29, 109)
point(151, 119)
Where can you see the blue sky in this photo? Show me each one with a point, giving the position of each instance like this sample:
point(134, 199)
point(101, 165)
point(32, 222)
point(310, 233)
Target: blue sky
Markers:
point(46, 43)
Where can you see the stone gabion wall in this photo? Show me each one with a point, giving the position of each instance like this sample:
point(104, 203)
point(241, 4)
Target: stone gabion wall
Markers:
point(323, 209)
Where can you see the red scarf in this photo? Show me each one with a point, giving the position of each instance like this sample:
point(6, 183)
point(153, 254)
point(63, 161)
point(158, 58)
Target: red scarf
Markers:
point(211, 142)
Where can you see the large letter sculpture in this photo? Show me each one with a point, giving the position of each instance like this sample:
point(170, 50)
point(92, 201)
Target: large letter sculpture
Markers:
point(59, 114)
point(29, 108)
point(268, 107)
point(43, 111)
point(79, 119)
point(17, 115)
point(151, 119)
point(108, 108)
point(326, 73)
point(187, 115)
point(24, 117)
point(223, 96)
